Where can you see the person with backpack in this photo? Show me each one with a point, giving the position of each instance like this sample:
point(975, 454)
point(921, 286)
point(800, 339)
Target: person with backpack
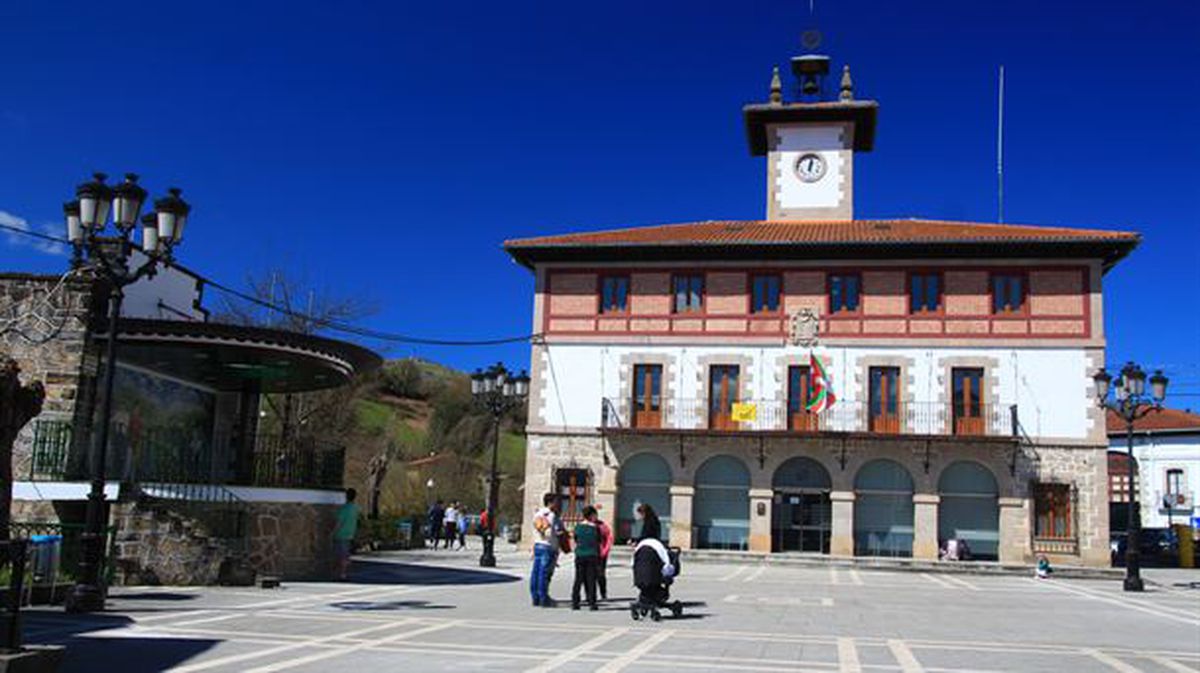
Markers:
point(545, 550)
point(587, 558)
point(450, 524)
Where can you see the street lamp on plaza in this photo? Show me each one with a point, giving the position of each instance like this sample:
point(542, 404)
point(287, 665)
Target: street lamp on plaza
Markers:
point(497, 392)
point(1130, 402)
point(109, 255)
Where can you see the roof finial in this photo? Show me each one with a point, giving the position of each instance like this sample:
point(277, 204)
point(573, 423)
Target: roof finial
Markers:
point(847, 85)
point(776, 88)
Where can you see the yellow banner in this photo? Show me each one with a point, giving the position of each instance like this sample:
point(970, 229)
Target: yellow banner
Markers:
point(744, 412)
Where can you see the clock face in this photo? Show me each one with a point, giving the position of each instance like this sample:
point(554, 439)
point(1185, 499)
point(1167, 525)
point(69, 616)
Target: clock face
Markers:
point(810, 167)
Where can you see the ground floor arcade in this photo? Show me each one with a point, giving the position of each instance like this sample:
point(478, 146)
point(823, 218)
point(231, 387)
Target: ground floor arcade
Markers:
point(841, 496)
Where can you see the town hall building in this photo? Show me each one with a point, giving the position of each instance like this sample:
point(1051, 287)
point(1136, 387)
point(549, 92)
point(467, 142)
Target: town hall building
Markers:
point(675, 366)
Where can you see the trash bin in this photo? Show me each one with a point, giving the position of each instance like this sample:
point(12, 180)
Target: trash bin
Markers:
point(404, 528)
point(45, 556)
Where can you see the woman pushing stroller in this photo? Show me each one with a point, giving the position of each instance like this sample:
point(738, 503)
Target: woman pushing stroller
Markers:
point(654, 570)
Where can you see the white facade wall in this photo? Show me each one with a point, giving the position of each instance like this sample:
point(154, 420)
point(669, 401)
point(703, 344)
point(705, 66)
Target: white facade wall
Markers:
point(172, 294)
point(1155, 454)
point(1050, 386)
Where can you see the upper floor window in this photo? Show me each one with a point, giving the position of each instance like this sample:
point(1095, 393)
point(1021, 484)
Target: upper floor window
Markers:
point(614, 294)
point(765, 297)
point(799, 395)
point(689, 293)
point(924, 292)
point(845, 290)
point(647, 396)
point(1175, 481)
point(967, 406)
point(1008, 293)
point(883, 399)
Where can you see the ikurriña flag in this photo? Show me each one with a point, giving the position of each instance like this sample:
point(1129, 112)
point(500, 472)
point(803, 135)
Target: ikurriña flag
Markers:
point(821, 396)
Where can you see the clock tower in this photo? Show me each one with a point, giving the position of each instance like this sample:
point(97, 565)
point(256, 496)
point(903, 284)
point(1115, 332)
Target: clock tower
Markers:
point(810, 143)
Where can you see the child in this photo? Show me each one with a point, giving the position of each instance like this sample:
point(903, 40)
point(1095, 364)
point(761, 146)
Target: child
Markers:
point(587, 558)
point(1043, 568)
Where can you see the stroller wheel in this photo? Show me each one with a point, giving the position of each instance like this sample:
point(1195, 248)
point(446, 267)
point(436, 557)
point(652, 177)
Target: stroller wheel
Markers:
point(633, 612)
point(656, 615)
point(676, 609)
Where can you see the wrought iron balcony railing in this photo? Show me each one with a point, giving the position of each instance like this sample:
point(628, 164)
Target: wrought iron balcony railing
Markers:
point(846, 416)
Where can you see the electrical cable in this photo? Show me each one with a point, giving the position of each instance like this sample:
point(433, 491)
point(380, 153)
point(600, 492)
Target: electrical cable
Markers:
point(333, 325)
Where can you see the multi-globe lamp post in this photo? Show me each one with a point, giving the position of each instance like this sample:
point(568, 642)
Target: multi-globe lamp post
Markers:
point(112, 256)
point(1130, 402)
point(498, 392)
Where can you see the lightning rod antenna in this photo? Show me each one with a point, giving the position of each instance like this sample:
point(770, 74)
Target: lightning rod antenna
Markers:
point(1000, 152)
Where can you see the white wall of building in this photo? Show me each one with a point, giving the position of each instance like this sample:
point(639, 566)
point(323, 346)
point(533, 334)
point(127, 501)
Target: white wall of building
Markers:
point(172, 294)
point(1156, 454)
point(1049, 385)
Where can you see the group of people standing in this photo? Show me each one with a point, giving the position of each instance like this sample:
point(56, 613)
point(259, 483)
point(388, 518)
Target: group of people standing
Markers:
point(593, 541)
point(448, 524)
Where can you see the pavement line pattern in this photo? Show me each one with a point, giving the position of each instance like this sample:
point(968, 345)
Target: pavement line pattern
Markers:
point(574, 653)
point(834, 578)
point(1171, 664)
point(1111, 662)
point(1122, 603)
point(756, 574)
point(938, 581)
point(904, 656)
point(960, 582)
point(855, 578)
point(848, 656)
point(320, 656)
point(635, 652)
point(236, 658)
point(737, 571)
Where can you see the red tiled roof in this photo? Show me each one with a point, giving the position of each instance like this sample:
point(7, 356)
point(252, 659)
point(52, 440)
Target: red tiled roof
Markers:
point(782, 232)
point(1162, 419)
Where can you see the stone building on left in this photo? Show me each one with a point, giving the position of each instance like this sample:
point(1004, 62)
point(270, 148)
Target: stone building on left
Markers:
point(196, 490)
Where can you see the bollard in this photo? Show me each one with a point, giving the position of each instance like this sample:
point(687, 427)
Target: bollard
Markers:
point(16, 589)
point(1186, 545)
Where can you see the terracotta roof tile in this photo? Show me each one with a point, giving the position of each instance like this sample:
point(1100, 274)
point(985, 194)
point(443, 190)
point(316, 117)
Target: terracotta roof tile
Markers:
point(779, 232)
point(1163, 419)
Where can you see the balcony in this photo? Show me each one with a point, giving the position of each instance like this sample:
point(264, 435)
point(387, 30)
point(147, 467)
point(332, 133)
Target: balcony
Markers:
point(163, 458)
point(845, 417)
point(1175, 501)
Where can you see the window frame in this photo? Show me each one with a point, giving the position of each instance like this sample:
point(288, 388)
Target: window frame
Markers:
point(858, 308)
point(753, 286)
point(602, 281)
point(1023, 310)
point(940, 307)
point(1051, 513)
point(644, 406)
point(699, 310)
point(1181, 483)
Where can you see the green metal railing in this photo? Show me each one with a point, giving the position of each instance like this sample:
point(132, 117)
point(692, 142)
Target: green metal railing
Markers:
point(51, 456)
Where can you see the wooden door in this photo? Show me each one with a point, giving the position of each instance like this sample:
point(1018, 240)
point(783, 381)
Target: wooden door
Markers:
point(967, 407)
point(799, 394)
point(722, 395)
point(884, 403)
point(647, 396)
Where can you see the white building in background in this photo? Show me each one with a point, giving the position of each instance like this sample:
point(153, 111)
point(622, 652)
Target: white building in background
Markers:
point(1166, 446)
point(674, 366)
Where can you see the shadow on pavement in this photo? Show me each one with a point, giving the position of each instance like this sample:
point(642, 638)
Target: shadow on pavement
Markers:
point(87, 645)
point(369, 606)
point(371, 572)
point(154, 596)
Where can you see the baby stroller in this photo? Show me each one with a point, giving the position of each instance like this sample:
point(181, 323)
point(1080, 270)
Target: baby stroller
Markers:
point(654, 570)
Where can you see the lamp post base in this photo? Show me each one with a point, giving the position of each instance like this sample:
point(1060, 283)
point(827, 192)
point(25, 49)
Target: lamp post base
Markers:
point(84, 598)
point(488, 558)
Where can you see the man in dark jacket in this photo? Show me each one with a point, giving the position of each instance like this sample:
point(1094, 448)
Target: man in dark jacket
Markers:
point(436, 513)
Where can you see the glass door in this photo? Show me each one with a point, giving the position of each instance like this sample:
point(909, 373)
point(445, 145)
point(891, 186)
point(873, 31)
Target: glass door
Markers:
point(647, 396)
point(722, 395)
point(967, 407)
point(884, 400)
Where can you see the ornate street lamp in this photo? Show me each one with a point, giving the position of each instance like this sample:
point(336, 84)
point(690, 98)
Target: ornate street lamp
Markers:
point(108, 255)
point(497, 392)
point(1130, 402)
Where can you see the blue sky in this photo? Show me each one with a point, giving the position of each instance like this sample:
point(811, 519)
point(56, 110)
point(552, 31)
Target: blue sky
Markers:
point(387, 149)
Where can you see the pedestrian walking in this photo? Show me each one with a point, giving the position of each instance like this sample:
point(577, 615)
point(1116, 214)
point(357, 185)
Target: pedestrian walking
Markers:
point(587, 558)
point(450, 524)
point(545, 548)
point(344, 529)
point(606, 545)
point(434, 522)
point(462, 524)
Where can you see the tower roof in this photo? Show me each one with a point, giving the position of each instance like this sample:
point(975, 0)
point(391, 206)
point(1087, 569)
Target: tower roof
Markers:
point(861, 113)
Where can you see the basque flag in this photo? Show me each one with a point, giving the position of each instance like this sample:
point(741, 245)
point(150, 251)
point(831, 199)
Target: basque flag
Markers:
point(821, 396)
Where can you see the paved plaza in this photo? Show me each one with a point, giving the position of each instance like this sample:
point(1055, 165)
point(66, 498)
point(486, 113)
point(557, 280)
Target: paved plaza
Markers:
point(439, 612)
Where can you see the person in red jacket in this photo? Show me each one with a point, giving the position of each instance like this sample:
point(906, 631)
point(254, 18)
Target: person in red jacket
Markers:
point(606, 545)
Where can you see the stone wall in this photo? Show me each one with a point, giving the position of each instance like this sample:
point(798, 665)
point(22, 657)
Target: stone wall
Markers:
point(43, 326)
point(291, 540)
